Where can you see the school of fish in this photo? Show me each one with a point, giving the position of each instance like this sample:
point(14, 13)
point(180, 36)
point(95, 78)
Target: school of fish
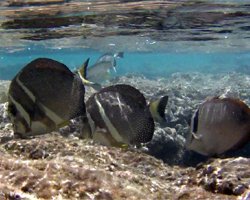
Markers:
point(45, 95)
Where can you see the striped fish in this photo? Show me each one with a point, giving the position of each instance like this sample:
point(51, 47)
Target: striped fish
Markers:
point(219, 125)
point(119, 115)
point(43, 97)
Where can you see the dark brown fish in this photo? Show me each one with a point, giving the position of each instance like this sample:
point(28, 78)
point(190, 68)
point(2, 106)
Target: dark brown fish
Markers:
point(43, 97)
point(119, 114)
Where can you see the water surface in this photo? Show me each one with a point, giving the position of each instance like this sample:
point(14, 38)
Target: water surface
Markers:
point(158, 38)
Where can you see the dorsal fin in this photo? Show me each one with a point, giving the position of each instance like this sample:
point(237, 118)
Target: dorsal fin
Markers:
point(83, 69)
point(82, 72)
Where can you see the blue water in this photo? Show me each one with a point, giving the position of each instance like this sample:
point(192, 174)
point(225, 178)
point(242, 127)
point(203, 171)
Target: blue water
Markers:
point(158, 39)
point(150, 64)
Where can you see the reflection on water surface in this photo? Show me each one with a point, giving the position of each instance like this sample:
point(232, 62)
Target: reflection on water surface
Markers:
point(153, 24)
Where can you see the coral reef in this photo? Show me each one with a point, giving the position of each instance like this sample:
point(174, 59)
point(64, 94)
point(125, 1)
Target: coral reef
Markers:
point(61, 166)
point(4, 86)
point(227, 176)
point(69, 168)
point(186, 91)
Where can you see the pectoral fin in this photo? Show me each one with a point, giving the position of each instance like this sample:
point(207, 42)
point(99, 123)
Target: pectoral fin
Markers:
point(196, 136)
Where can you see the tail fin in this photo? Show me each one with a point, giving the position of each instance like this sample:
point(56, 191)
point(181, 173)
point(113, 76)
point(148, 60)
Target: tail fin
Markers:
point(116, 55)
point(82, 72)
point(119, 55)
point(157, 109)
point(114, 65)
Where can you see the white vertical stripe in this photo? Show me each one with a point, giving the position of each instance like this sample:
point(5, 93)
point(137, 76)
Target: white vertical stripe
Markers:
point(21, 110)
point(91, 123)
point(52, 115)
point(26, 90)
point(108, 123)
point(49, 113)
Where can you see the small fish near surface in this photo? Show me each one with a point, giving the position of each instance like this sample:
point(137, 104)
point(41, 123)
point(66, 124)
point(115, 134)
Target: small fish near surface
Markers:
point(43, 97)
point(219, 125)
point(100, 71)
point(119, 115)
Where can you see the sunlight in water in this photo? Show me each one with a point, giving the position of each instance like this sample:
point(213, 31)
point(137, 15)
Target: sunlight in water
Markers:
point(76, 75)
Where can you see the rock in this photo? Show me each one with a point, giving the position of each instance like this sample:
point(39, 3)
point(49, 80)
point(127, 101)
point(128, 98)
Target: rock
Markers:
point(228, 176)
point(59, 165)
point(4, 86)
point(52, 166)
point(186, 91)
point(3, 113)
point(167, 145)
point(5, 125)
point(245, 195)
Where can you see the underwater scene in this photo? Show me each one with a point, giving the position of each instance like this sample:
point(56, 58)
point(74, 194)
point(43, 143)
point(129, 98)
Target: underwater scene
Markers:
point(125, 99)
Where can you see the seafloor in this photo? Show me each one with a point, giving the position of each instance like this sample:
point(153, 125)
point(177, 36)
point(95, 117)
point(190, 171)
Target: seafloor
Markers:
point(62, 166)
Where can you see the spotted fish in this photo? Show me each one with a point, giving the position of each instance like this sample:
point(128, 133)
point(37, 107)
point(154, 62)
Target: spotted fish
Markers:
point(119, 114)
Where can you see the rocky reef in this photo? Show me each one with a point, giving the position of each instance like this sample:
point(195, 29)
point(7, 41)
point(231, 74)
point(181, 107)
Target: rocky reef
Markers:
point(52, 166)
point(62, 166)
point(4, 85)
point(186, 91)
